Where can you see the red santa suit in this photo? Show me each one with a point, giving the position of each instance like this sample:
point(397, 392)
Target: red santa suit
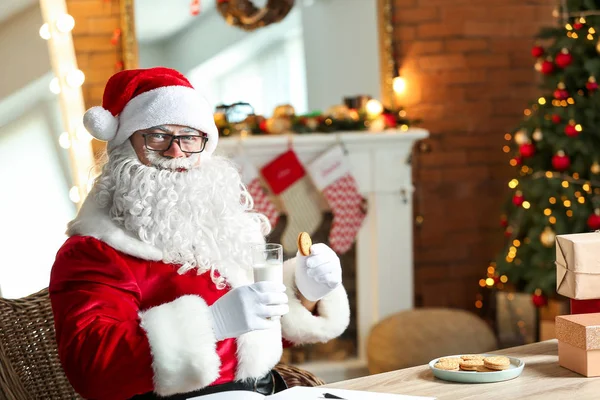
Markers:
point(127, 323)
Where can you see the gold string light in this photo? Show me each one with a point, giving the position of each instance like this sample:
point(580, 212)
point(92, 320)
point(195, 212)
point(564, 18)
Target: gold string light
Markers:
point(56, 30)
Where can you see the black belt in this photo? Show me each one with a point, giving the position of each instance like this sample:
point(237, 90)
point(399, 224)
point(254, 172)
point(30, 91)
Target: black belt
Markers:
point(268, 384)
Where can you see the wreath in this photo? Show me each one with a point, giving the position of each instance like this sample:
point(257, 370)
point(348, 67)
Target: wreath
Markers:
point(245, 15)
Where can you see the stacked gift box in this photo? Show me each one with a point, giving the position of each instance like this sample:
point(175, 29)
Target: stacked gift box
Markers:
point(578, 271)
point(578, 278)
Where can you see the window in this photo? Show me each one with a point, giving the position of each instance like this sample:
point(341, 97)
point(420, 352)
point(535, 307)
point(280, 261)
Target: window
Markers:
point(35, 204)
point(264, 76)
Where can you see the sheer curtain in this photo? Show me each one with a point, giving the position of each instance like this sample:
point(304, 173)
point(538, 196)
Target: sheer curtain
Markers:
point(35, 204)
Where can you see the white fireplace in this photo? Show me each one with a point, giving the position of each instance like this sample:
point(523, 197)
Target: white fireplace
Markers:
point(381, 165)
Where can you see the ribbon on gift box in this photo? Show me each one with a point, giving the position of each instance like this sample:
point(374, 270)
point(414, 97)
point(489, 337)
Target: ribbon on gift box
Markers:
point(578, 265)
point(585, 306)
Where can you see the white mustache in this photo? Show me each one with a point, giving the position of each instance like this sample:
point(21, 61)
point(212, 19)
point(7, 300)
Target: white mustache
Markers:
point(171, 163)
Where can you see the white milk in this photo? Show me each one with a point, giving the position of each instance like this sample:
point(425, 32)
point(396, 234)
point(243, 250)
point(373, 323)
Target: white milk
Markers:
point(272, 271)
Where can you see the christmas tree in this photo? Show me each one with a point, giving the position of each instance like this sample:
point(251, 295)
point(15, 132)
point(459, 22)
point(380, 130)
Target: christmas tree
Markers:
point(556, 154)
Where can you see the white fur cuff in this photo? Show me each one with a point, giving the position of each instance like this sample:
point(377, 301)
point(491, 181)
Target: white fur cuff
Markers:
point(299, 326)
point(183, 345)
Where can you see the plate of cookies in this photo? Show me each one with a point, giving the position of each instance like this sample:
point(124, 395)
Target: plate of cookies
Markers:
point(476, 368)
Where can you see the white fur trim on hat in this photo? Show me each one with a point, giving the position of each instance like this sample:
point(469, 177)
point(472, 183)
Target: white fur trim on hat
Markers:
point(183, 345)
point(168, 105)
point(100, 123)
point(300, 326)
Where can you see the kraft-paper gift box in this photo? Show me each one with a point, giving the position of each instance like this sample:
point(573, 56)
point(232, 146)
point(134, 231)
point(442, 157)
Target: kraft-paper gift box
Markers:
point(579, 343)
point(578, 265)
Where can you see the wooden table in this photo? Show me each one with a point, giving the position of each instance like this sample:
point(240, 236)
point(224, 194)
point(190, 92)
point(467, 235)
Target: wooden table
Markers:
point(542, 378)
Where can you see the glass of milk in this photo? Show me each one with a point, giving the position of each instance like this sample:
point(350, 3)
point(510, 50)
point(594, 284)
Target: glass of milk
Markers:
point(267, 262)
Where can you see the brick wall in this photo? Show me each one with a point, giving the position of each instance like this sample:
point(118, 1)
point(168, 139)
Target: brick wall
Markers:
point(470, 75)
point(97, 57)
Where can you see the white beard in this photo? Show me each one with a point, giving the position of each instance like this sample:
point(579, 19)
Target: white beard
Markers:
point(201, 218)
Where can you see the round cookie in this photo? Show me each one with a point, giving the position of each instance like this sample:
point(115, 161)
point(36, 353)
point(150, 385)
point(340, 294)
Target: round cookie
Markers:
point(304, 243)
point(497, 363)
point(450, 359)
point(447, 365)
point(470, 365)
point(472, 357)
point(483, 368)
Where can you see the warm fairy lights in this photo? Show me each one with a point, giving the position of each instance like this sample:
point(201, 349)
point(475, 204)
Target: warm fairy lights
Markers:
point(67, 85)
point(64, 140)
point(399, 85)
point(374, 107)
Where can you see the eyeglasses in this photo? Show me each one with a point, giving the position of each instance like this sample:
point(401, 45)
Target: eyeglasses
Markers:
point(163, 141)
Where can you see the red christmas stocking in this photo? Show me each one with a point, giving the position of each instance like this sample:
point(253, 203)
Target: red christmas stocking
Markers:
point(251, 178)
point(287, 178)
point(331, 174)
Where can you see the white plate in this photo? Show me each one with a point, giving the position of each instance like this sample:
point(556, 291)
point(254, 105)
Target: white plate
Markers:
point(514, 370)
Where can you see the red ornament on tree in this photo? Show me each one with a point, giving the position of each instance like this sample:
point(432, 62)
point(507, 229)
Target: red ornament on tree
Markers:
point(593, 221)
point(563, 59)
point(537, 51)
point(556, 119)
point(518, 160)
point(503, 221)
point(577, 26)
point(591, 84)
point(571, 130)
point(561, 94)
point(539, 300)
point(560, 161)
point(518, 199)
point(547, 67)
point(527, 150)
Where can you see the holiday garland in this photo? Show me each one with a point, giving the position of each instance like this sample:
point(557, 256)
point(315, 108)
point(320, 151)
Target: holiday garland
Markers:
point(336, 119)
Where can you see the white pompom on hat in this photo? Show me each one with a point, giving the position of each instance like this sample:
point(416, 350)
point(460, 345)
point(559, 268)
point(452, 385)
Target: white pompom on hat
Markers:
point(143, 98)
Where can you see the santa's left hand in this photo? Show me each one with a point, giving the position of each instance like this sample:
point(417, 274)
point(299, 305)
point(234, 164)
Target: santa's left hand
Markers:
point(319, 273)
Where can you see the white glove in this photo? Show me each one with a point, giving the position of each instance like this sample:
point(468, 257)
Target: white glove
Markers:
point(319, 273)
point(246, 308)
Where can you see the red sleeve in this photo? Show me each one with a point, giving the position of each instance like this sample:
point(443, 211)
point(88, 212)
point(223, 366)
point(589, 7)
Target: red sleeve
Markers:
point(96, 300)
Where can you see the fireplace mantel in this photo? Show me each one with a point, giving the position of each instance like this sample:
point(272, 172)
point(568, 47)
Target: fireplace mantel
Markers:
point(380, 163)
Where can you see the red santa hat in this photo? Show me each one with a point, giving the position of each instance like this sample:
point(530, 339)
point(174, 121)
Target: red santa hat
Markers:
point(142, 98)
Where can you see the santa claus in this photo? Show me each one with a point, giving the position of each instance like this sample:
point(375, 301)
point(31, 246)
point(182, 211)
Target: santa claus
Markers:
point(152, 292)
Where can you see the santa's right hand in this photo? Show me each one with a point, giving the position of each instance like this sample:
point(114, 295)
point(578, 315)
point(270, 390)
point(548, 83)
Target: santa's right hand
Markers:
point(248, 308)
